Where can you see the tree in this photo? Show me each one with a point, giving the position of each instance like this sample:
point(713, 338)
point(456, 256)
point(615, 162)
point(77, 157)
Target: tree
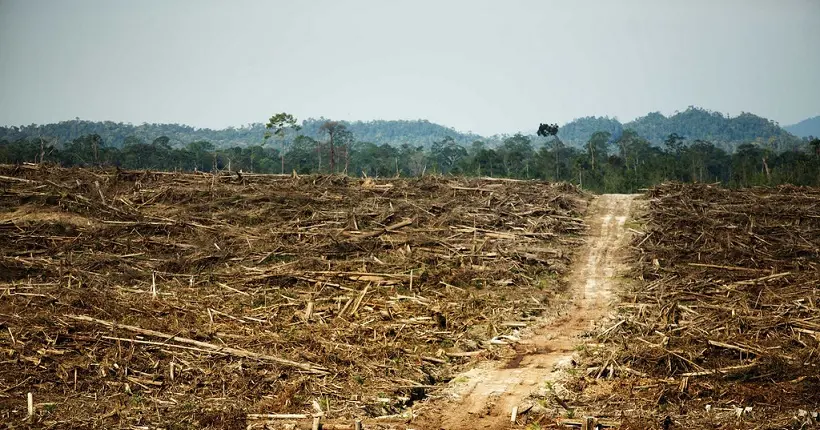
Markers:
point(376, 160)
point(332, 128)
point(516, 152)
point(814, 143)
point(162, 142)
point(447, 154)
point(674, 143)
point(84, 150)
point(345, 139)
point(551, 130)
point(745, 170)
point(302, 155)
point(50, 147)
point(546, 130)
point(597, 147)
point(414, 159)
point(279, 123)
point(200, 153)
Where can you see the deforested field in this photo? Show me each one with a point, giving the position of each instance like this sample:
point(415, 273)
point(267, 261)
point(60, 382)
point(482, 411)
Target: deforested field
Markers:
point(142, 300)
point(720, 327)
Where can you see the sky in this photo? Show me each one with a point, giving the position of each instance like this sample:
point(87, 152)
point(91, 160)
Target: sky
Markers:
point(483, 66)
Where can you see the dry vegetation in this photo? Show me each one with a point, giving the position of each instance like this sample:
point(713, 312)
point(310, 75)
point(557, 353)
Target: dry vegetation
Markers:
point(721, 329)
point(191, 300)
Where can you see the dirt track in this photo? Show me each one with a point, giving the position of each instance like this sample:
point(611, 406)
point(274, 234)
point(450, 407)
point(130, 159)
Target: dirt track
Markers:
point(484, 397)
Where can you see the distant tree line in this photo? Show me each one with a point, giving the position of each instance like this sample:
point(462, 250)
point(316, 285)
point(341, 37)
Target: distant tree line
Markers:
point(605, 163)
point(118, 134)
point(724, 131)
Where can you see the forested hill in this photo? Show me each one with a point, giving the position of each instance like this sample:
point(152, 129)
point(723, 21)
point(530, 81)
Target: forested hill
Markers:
point(117, 134)
point(414, 133)
point(693, 123)
point(805, 128)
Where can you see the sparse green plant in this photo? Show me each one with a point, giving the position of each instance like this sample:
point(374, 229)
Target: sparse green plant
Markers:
point(549, 386)
point(324, 403)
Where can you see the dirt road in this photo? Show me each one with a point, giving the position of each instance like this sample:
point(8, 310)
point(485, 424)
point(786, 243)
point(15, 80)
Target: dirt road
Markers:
point(484, 397)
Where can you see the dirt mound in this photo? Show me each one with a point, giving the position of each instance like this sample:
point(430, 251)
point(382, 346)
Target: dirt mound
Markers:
point(138, 298)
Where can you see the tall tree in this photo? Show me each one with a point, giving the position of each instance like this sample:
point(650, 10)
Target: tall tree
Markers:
point(344, 140)
point(551, 130)
point(674, 143)
point(814, 143)
point(597, 147)
point(517, 153)
point(276, 126)
point(332, 128)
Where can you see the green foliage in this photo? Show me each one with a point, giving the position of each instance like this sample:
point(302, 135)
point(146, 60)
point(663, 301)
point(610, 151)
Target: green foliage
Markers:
point(517, 155)
point(277, 126)
point(447, 155)
point(725, 131)
point(578, 132)
point(694, 123)
point(614, 159)
point(626, 164)
point(414, 133)
point(278, 123)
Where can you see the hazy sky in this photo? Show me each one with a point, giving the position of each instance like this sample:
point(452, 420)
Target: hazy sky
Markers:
point(486, 66)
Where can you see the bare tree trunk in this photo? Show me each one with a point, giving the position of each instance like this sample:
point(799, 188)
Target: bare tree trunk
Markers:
point(592, 155)
point(332, 155)
point(42, 151)
point(347, 157)
point(319, 154)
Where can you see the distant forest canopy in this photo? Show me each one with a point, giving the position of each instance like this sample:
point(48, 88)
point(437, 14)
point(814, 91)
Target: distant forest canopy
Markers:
point(605, 163)
point(723, 131)
point(807, 127)
point(414, 133)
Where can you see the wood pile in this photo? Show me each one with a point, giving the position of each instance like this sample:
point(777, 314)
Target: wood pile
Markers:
point(721, 329)
point(197, 300)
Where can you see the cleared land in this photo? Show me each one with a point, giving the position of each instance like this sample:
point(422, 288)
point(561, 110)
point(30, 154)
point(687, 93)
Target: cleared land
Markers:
point(485, 396)
point(192, 300)
point(720, 327)
point(132, 299)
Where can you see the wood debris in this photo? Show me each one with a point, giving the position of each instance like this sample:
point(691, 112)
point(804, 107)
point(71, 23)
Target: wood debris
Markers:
point(723, 313)
point(142, 298)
